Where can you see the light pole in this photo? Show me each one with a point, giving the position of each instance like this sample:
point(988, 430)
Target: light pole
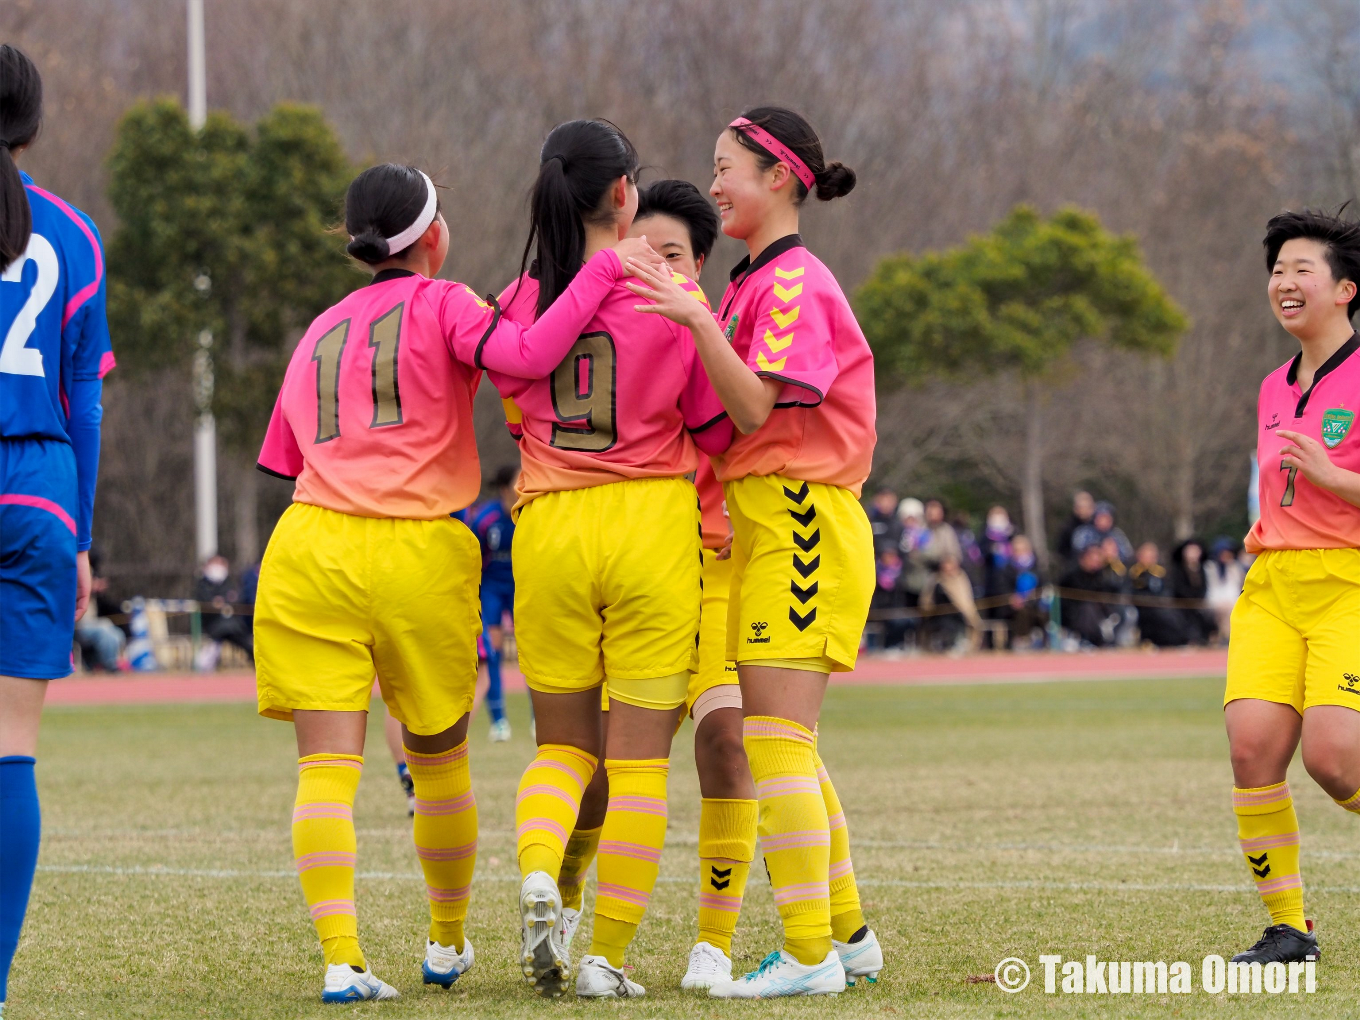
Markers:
point(205, 426)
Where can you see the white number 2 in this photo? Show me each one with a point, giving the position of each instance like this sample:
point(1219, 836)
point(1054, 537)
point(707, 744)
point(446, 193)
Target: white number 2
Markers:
point(15, 357)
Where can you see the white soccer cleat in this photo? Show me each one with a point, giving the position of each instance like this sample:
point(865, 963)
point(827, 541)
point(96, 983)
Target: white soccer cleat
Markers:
point(779, 974)
point(566, 928)
point(345, 984)
point(597, 978)
point(707, 966)
point(860, 959)
point(444, 965)
point(543, 959)
point(500, 731)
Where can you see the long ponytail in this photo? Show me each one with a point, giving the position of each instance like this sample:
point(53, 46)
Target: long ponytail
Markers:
point(20, 117)
point(578, 162)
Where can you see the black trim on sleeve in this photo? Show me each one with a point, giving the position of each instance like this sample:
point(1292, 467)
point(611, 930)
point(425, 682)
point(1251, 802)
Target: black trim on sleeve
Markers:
point(495, 321)
point(706, 425)
point(389, 274)
point(1338, 358)
point(794, 382)
point(276, 474)
point(746, 267)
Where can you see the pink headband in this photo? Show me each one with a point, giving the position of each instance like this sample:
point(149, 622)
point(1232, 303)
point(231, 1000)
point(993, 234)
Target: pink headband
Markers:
point(777, 149)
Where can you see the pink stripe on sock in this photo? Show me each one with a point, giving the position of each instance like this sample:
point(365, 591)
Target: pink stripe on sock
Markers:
point(331, 763)
point(794, 840)
point(450, 806)
point(548, 763)
point(822, 777)
point(774, 728)
point(639, 805)
point(637, 851)
point(1281, 884)
point(787, 786)
point(623, 893)
point(842, 869)
point(325, 859)
point(836, 821)
point(330, 908)
point(447, 853)
point(458, 895)
point(801, 893)
point(542, 825)
point(1268, 842)
point(1277, 794)
point(38, 503)
point(414, 758)
point(548, 790)
point(323, 809)
point(719, 902)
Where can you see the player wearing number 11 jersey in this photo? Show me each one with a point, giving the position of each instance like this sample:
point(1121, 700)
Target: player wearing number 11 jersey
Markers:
point(1294, 656)
point(368, 571)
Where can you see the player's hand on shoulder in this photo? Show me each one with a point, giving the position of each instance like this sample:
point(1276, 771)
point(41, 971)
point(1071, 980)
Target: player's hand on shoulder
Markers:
point(637, 248)
point(1308, 455)
point(664, 295)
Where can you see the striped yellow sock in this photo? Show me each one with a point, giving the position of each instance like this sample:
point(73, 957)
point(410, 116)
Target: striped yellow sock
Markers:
point(846, 915)
point(727, 845)
point(546, 807)
point(630, 852)
point(324, 847)
point(795, 835)
point(571, 881)
point(445, 834)
point(1268, 832)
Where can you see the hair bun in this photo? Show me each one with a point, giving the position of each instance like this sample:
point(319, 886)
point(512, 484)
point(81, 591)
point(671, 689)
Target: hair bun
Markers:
point(368, 246)
point(836, 180)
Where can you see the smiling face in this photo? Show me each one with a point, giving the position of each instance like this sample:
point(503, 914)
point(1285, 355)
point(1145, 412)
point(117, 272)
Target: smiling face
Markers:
point(1304, 295)
point(670, 237)
point(745, 194)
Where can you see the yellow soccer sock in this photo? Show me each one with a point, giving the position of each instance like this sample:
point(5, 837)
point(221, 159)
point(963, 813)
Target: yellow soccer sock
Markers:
point(547, 804)
point(846, 915)
point(727, 845)
point(445, 834)
point(571, 881)
point(324, 848)
point(794, 832)
point(1268, 832)
point(630, 852)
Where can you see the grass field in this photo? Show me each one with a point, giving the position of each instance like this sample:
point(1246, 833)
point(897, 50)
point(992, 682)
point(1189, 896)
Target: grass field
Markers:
point(988, 821)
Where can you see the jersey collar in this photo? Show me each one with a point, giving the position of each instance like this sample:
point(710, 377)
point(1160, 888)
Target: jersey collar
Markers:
point(1337, 359)
point(743, 269)
point(25, 178)
point(389, 274)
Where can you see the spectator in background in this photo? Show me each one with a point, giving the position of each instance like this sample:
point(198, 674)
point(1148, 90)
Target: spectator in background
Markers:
point(890, 595)
point(1188, 582)
point(972, 552)
point(1095, 617)
point(947, 602)
point(883, 519)
point(996, 553)
point(1023, 579)
point(1083, 509)
point(101, 642)
point(1224, 577)
point(911, 546)
point(1102, 526)
point(943, 541)
point(1158, 621)
point(216, 599)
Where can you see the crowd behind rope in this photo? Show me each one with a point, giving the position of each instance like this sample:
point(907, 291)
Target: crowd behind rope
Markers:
point(944, 586)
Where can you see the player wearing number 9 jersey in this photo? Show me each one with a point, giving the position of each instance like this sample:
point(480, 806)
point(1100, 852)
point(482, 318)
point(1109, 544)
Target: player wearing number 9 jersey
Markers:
point(606, 560)
point(54, 350)
point(1294, 651)
point(795, 373)
point(367, 571)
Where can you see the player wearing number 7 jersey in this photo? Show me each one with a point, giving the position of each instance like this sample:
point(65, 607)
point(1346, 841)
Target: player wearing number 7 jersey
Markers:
point(1294, 654)
point(367, 571)
point(54, 350)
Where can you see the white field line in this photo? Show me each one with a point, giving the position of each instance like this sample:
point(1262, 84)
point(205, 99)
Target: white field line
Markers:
point(407, 876)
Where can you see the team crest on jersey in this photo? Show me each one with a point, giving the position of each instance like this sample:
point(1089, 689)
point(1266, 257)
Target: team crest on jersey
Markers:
point(731, 330)
point(1336, 422)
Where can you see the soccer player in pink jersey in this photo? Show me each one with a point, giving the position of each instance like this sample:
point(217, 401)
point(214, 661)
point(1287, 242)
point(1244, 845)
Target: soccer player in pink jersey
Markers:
point(795, 373)
point(1294, 651)
point(606, 560)
point(367, 571)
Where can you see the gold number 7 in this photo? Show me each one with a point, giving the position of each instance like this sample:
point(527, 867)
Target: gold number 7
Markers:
point(1288, 498)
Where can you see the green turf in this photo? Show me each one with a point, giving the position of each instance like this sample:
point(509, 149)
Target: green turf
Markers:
point(989, 821)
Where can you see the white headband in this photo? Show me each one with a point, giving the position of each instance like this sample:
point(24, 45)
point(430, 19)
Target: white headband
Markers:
point(407, 237)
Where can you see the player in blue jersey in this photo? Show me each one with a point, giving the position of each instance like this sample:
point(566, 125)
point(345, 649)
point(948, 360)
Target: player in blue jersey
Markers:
point(495, 531)
point(54, 352)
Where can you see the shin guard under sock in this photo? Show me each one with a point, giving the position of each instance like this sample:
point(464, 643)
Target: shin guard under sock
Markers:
point(324, 846)
point(1268, 833)
point(445, 832)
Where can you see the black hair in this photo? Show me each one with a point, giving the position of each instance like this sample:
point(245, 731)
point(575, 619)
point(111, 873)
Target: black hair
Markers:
point(683, 200)
point(1340, 239)
point(505, 475)
point(832, 179)
point(20, 118)
point(578, 162)
point(382, 202)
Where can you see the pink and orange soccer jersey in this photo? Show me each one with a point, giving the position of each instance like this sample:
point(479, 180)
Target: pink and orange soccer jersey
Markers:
point(1295, 513)
point(374, 417)
point(787, 317)
point(630, 400)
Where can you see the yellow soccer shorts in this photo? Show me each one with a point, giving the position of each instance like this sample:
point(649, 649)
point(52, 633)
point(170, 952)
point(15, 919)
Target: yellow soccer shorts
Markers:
point(802, 572)
point(607, 584)
point(1295, 635)
point(343, 597)
point(714, 685)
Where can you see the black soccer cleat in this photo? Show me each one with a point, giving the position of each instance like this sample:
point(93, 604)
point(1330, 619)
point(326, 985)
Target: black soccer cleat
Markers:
point(1281, 943)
